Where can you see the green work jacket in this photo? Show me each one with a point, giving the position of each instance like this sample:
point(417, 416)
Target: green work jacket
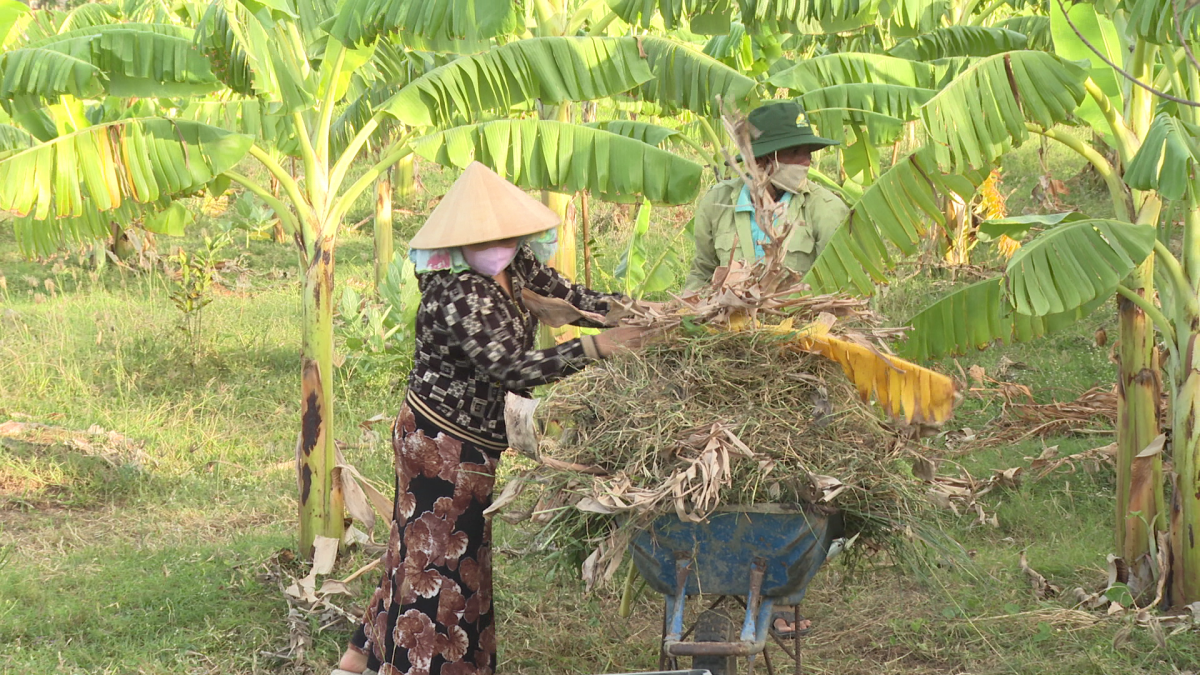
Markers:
point(817, 212)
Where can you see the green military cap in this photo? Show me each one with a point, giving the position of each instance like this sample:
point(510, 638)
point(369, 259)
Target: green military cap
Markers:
point(782, 124)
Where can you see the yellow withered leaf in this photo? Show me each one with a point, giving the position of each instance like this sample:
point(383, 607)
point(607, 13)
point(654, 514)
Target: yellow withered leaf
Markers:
point(902, 388)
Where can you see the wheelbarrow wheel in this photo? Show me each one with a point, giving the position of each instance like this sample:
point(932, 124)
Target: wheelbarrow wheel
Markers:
point(714, 626)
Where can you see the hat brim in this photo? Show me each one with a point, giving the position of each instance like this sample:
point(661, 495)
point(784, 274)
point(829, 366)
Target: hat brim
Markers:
point(765, 146)
point(482, 206)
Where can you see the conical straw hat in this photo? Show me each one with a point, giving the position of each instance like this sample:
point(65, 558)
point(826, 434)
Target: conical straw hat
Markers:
point(481, 206)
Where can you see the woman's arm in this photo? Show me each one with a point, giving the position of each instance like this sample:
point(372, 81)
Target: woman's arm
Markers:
point(473, 319)
point(545, 280)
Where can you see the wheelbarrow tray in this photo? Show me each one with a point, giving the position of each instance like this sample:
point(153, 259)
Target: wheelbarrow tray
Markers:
point(792, 541)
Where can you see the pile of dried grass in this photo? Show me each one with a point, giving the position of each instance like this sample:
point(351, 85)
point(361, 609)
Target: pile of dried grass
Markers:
point(732, 418)
point(702, 421)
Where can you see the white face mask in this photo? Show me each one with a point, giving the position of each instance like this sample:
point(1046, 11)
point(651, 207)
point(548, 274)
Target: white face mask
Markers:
point(491, 260)
point(789, 177)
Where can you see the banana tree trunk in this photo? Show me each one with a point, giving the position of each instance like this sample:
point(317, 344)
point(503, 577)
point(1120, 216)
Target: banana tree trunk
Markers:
point(383, 227)
point(320, 498)
point(1139, 385)
point(1185, 503)
point(405, 174)
point(585, 218)
point(1185, 511)
point(1139, 479)
point(120, 243)
point(564, 260)
point(100, 255)
point(958, 224)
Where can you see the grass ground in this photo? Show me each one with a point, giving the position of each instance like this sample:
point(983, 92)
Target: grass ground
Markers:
point(163, 563)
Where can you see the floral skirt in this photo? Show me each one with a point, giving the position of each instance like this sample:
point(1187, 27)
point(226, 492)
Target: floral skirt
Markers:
point(432, 611)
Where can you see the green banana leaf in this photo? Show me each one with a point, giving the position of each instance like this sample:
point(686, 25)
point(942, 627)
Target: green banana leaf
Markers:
point(547, 155)
point(1073, 264)
point(975, 317)
point(101, 167)
point(1167, 159)
point(895, 211)
point(124, 60)
point(982, 113)
point(551, 70)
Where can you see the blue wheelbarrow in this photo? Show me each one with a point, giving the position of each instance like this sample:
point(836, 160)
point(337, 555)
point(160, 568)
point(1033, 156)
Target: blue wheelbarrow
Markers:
point(762, 556)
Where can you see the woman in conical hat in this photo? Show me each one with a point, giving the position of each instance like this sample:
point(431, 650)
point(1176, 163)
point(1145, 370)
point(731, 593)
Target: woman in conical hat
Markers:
point(484, 244)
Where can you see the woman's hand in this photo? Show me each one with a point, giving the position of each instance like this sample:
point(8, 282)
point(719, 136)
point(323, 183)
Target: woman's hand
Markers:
point(625, 308)
point(625, 337)
point(660, 307)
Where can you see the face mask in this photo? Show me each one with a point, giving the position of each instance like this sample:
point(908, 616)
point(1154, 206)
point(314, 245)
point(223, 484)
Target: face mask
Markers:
point(491, 260)
point(789, 177)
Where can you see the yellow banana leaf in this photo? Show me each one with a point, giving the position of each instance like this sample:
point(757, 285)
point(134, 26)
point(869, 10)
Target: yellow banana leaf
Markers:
point(904, 389)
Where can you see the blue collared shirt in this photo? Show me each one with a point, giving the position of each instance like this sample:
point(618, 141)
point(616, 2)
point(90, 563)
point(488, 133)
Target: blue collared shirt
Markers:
point(744, 205)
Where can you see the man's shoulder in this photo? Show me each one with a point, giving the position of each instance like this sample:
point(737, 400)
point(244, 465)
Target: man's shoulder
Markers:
point(825, 203)
point(820, 194)
point(723, 192)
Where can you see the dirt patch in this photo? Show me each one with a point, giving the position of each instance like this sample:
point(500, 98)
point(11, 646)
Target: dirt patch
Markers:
point(18, 485)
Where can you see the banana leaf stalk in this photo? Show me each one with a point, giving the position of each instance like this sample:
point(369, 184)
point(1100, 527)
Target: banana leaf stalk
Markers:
point(383, 228)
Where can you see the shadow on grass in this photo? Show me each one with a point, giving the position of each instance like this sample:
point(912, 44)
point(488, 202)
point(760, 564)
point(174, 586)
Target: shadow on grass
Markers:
point(40, 475)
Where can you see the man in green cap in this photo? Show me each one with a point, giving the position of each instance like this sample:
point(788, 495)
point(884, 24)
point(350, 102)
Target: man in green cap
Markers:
point(725, 228)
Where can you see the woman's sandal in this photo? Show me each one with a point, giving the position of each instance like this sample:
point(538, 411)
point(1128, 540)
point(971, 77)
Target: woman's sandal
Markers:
point(789, 617)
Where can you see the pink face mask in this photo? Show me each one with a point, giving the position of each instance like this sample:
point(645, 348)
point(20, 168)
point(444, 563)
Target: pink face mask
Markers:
point(491, 260)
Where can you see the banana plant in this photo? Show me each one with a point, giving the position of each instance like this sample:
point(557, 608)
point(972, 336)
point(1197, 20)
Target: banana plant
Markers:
point(50, 55)
point(1122, 115)
point(639, 271)
point(1075, 265)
